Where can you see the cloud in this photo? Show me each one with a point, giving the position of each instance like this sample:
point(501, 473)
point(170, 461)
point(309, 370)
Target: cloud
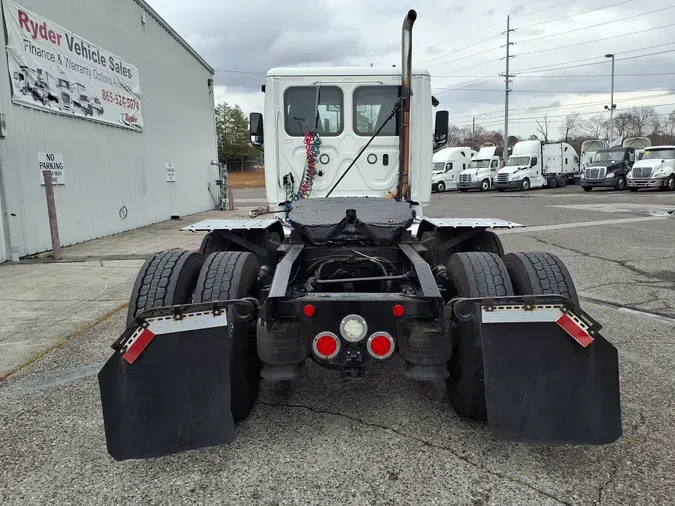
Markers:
point(257, 35)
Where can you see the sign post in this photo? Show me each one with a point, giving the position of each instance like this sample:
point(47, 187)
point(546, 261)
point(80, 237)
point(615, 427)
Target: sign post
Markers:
point(51, 211)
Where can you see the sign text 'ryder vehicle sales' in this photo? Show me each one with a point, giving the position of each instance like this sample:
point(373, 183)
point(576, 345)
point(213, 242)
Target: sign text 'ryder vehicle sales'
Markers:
point(52, 68)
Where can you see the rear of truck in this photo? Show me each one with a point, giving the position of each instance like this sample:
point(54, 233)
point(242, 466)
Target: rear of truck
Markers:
point(352, 278)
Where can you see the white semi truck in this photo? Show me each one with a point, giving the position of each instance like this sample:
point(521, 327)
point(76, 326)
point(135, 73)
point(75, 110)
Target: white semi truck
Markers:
point(536, 165)
point(481, 171)
point(447, 165)
point(656, 169)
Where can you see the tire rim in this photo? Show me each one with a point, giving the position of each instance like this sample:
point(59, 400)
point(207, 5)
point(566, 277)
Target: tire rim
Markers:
point(486, 186)
point(526, 185)
point(441, 187)
point(621, 183)
point(671, 183)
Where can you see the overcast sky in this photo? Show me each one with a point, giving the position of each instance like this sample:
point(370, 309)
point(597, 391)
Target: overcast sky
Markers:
point(253, 36)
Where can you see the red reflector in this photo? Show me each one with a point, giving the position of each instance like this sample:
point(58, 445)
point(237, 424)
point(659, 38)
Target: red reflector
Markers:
point(398, 310)
point(380, 346)
point(326, 346)
point(575, 330)
point(308, 310)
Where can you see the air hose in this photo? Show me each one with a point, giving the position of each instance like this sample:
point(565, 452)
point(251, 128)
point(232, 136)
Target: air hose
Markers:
point(312, 142)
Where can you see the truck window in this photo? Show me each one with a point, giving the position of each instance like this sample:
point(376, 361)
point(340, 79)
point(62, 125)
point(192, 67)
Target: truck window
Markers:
point(301, 112)
point(372, 106)
point(448, 166)
point(534, 161)
point(576, 159)
point(630, 157)
point(493, 164)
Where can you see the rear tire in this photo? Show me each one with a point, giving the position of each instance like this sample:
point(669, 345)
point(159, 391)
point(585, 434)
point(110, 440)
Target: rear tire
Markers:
point(485, 241)
point(553, 182)
point(167, 278)
point(534, 273)
point(233, 275)
point(475, 274)
point(212, 243)
point(562, 182)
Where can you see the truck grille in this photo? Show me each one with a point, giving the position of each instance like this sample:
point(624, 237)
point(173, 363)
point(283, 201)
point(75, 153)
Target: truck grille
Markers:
point(642, 172)
point(465, 178)
point(502, 178)
point(595, 173)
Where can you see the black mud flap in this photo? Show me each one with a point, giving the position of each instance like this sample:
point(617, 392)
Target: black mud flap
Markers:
point(167, 387)
point(550, 377)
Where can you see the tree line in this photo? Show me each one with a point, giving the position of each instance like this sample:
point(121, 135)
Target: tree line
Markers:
point(234, 139)
point(639, 121)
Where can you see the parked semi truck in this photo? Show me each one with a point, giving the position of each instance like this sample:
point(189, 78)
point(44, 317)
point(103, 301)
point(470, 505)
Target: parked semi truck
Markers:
point(361, 276)
point(609, 168)
point(536, 165)
point(656, 169)
point(447, 165)
point(482, 170)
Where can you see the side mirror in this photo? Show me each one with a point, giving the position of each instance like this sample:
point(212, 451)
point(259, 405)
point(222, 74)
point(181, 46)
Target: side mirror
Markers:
point(256, 130)
point(441, 128)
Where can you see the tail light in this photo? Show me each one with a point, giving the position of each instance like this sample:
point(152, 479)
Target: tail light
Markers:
point(326, 345)
point(381, 345)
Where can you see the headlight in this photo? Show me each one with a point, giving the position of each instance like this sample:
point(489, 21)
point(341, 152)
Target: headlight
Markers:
point(475, 179)
point(630, 175)
point(610, 175)
point(582, 176)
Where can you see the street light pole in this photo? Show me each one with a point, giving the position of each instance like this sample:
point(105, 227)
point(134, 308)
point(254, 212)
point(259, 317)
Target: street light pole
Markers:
point(611, 102)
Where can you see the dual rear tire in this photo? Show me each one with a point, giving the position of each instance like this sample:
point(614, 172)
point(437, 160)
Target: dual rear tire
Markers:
point(182, 277)
point(485, 274)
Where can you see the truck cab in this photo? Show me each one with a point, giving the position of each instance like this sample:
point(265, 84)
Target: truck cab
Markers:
point(523, 169)
point(447, 165)
point(64, 93)
point(609, 168)
point(319, 133)
point(656, 169)
point(481, 171)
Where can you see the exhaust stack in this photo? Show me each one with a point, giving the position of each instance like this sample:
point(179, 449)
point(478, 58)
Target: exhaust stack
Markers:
point(403, 190)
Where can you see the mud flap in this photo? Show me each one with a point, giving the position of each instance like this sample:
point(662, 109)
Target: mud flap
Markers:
point(550, 377)
point(167, 387)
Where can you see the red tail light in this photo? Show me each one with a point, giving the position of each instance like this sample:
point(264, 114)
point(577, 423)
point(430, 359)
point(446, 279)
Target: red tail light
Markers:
point(326, 345)
point(398, 310)
point(381, 345)
point(308, 310)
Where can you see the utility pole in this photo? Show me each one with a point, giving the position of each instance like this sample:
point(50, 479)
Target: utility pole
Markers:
point(507, 80)
point(473, 132)
point(612, 106)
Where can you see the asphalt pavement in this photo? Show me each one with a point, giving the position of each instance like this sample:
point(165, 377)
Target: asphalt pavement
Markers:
point(382, 440)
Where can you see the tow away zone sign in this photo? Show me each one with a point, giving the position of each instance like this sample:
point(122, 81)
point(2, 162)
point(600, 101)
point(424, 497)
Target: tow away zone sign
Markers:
point(53, 162)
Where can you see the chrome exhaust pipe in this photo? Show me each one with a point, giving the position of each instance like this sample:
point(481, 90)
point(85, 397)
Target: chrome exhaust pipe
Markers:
point(403, 190)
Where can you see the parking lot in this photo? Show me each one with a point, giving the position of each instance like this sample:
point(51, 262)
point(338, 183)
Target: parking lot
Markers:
point(382, 440)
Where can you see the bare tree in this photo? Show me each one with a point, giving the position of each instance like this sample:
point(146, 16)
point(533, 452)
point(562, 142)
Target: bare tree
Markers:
point(642, 119)
point(668, 126)
point(543, 129)
point(569, 125)
point(623, 124)
point(596, 127)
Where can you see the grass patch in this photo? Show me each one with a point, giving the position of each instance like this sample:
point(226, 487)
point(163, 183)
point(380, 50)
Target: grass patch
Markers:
point(248, 179)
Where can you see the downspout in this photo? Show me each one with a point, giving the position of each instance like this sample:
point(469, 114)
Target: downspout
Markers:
point(403, 190)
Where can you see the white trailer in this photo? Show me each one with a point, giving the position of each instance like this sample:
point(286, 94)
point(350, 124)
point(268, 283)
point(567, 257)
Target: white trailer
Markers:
point(447, 165)
point(536, 165)
point(588, 149)
point(638, 143)
point(481, 171)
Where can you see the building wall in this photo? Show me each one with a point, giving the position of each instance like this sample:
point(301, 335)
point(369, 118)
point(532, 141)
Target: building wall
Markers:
point(107, 167)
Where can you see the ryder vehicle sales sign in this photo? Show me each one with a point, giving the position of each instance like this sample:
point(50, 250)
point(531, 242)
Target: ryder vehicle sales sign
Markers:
point(53, 69)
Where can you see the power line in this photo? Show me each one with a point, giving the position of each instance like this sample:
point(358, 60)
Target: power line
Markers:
point(600, 62)
point(573, 15)
point(597, 25)
point(565, 76)
point(542, 10)
point(463, 57)
point(231, 71)
point(567, 106)
point(604, 38)
point(462, 49)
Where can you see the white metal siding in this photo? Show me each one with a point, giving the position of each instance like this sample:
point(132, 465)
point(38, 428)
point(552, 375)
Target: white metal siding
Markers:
point(104, 165)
